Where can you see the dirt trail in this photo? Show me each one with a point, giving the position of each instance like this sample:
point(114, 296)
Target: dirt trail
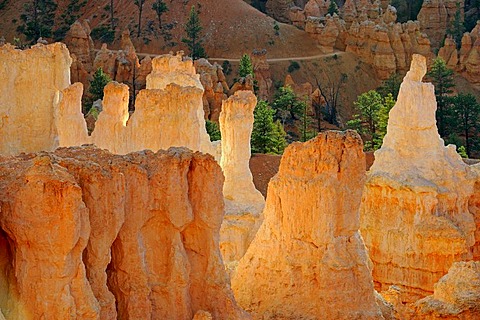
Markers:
point(318, 56)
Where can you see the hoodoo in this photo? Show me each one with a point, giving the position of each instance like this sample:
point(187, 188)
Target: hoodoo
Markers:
point(415, 216)
point(309, 242)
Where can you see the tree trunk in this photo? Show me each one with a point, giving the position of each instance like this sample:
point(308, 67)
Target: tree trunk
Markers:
point(140, 9)
point(112, 24)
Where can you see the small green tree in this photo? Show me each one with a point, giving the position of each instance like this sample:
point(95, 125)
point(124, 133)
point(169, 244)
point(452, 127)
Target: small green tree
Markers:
point(332, 8)
point(160, 7)
point(246, 67)
point(390, 86)
point(267, 136)
point(213, 130)
point(286, 104)
point(99, 81)
point(372, 118)
point(38, 19)
point(442, 78)
point(305, 122)
point(465, 117)
point(193, 40)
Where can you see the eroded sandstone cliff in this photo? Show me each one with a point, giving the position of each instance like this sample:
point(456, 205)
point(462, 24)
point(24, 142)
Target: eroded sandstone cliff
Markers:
point(308, 260)
point(90, 235)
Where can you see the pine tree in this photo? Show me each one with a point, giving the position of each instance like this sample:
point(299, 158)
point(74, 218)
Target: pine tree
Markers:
point(160, 7)
point(267, 136)
point(99, 81)
point(457, 28)
point(192, 39)
point(286, 104)
point(372, 118)
point(38, 19)
point(305, 122)
point(213, 130)
point(139, 4)
point(465, 118)
point(246, 67)
point(442, 78)
point(332, 8)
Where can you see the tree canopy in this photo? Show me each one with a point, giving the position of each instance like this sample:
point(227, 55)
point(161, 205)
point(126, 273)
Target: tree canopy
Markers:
point(192, 39)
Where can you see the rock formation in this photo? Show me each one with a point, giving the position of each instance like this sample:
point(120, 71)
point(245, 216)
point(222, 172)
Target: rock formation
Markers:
point(80, 43)
point(279, 9)
point(215, 85)
point(415, 216)
point(456, 295)
point(308, 260)
point(474, 207)
point(436, 16)
point(263, 76)
point(89, 235)
point(32, 81)
point(243, 203)
point(376, 39)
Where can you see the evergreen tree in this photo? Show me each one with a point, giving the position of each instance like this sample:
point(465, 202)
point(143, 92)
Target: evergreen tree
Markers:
point(246, 67)
point(457, 28)
point(139, 4)
point(442, 78)
point(286, 104)
point(305, 122)
point(465, 117)
point(192, 39)
point(160, 7)
point(332, 8)
point(390, 86)
point(213, 130)
point(267, 136)
point(99, 81)
point(38, 19)
point(372, 118)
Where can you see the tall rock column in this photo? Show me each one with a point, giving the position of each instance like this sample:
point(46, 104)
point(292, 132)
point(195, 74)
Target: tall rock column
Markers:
point(415, 216)
point(308, 260)
point(243, 203)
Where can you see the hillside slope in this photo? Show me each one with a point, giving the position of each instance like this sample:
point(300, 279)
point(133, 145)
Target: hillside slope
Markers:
point(231, 27)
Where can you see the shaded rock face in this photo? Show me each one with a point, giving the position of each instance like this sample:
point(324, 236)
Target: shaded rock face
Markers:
point(90, 235)
point(263, 75)
point(466, 60)
point(215, 85)
point(309, 242)
point(376, 39)
point(243, 202)
point(456, 295)
point(436, 16)
point(279, 9)
point(415, 216)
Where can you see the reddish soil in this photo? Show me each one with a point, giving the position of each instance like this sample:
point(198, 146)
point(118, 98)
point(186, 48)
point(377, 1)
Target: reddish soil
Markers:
point(263, 167)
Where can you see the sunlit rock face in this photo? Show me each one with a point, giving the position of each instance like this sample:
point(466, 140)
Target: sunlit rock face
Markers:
point(308, 260)
point(415, 217)
point(91, 235)
point(243, 203)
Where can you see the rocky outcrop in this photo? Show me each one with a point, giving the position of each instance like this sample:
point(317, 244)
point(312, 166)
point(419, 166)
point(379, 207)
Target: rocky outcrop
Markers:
point(263, 76)
point(91, 235)
point(309, 243)
point(215, 85)
point(243, 203)
point(474, 207)
point(328, 32)
point(456, 295)
point(415, 216)
point(279, 9)
point(80, 43)
point(436, 16)
point(32, 83)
